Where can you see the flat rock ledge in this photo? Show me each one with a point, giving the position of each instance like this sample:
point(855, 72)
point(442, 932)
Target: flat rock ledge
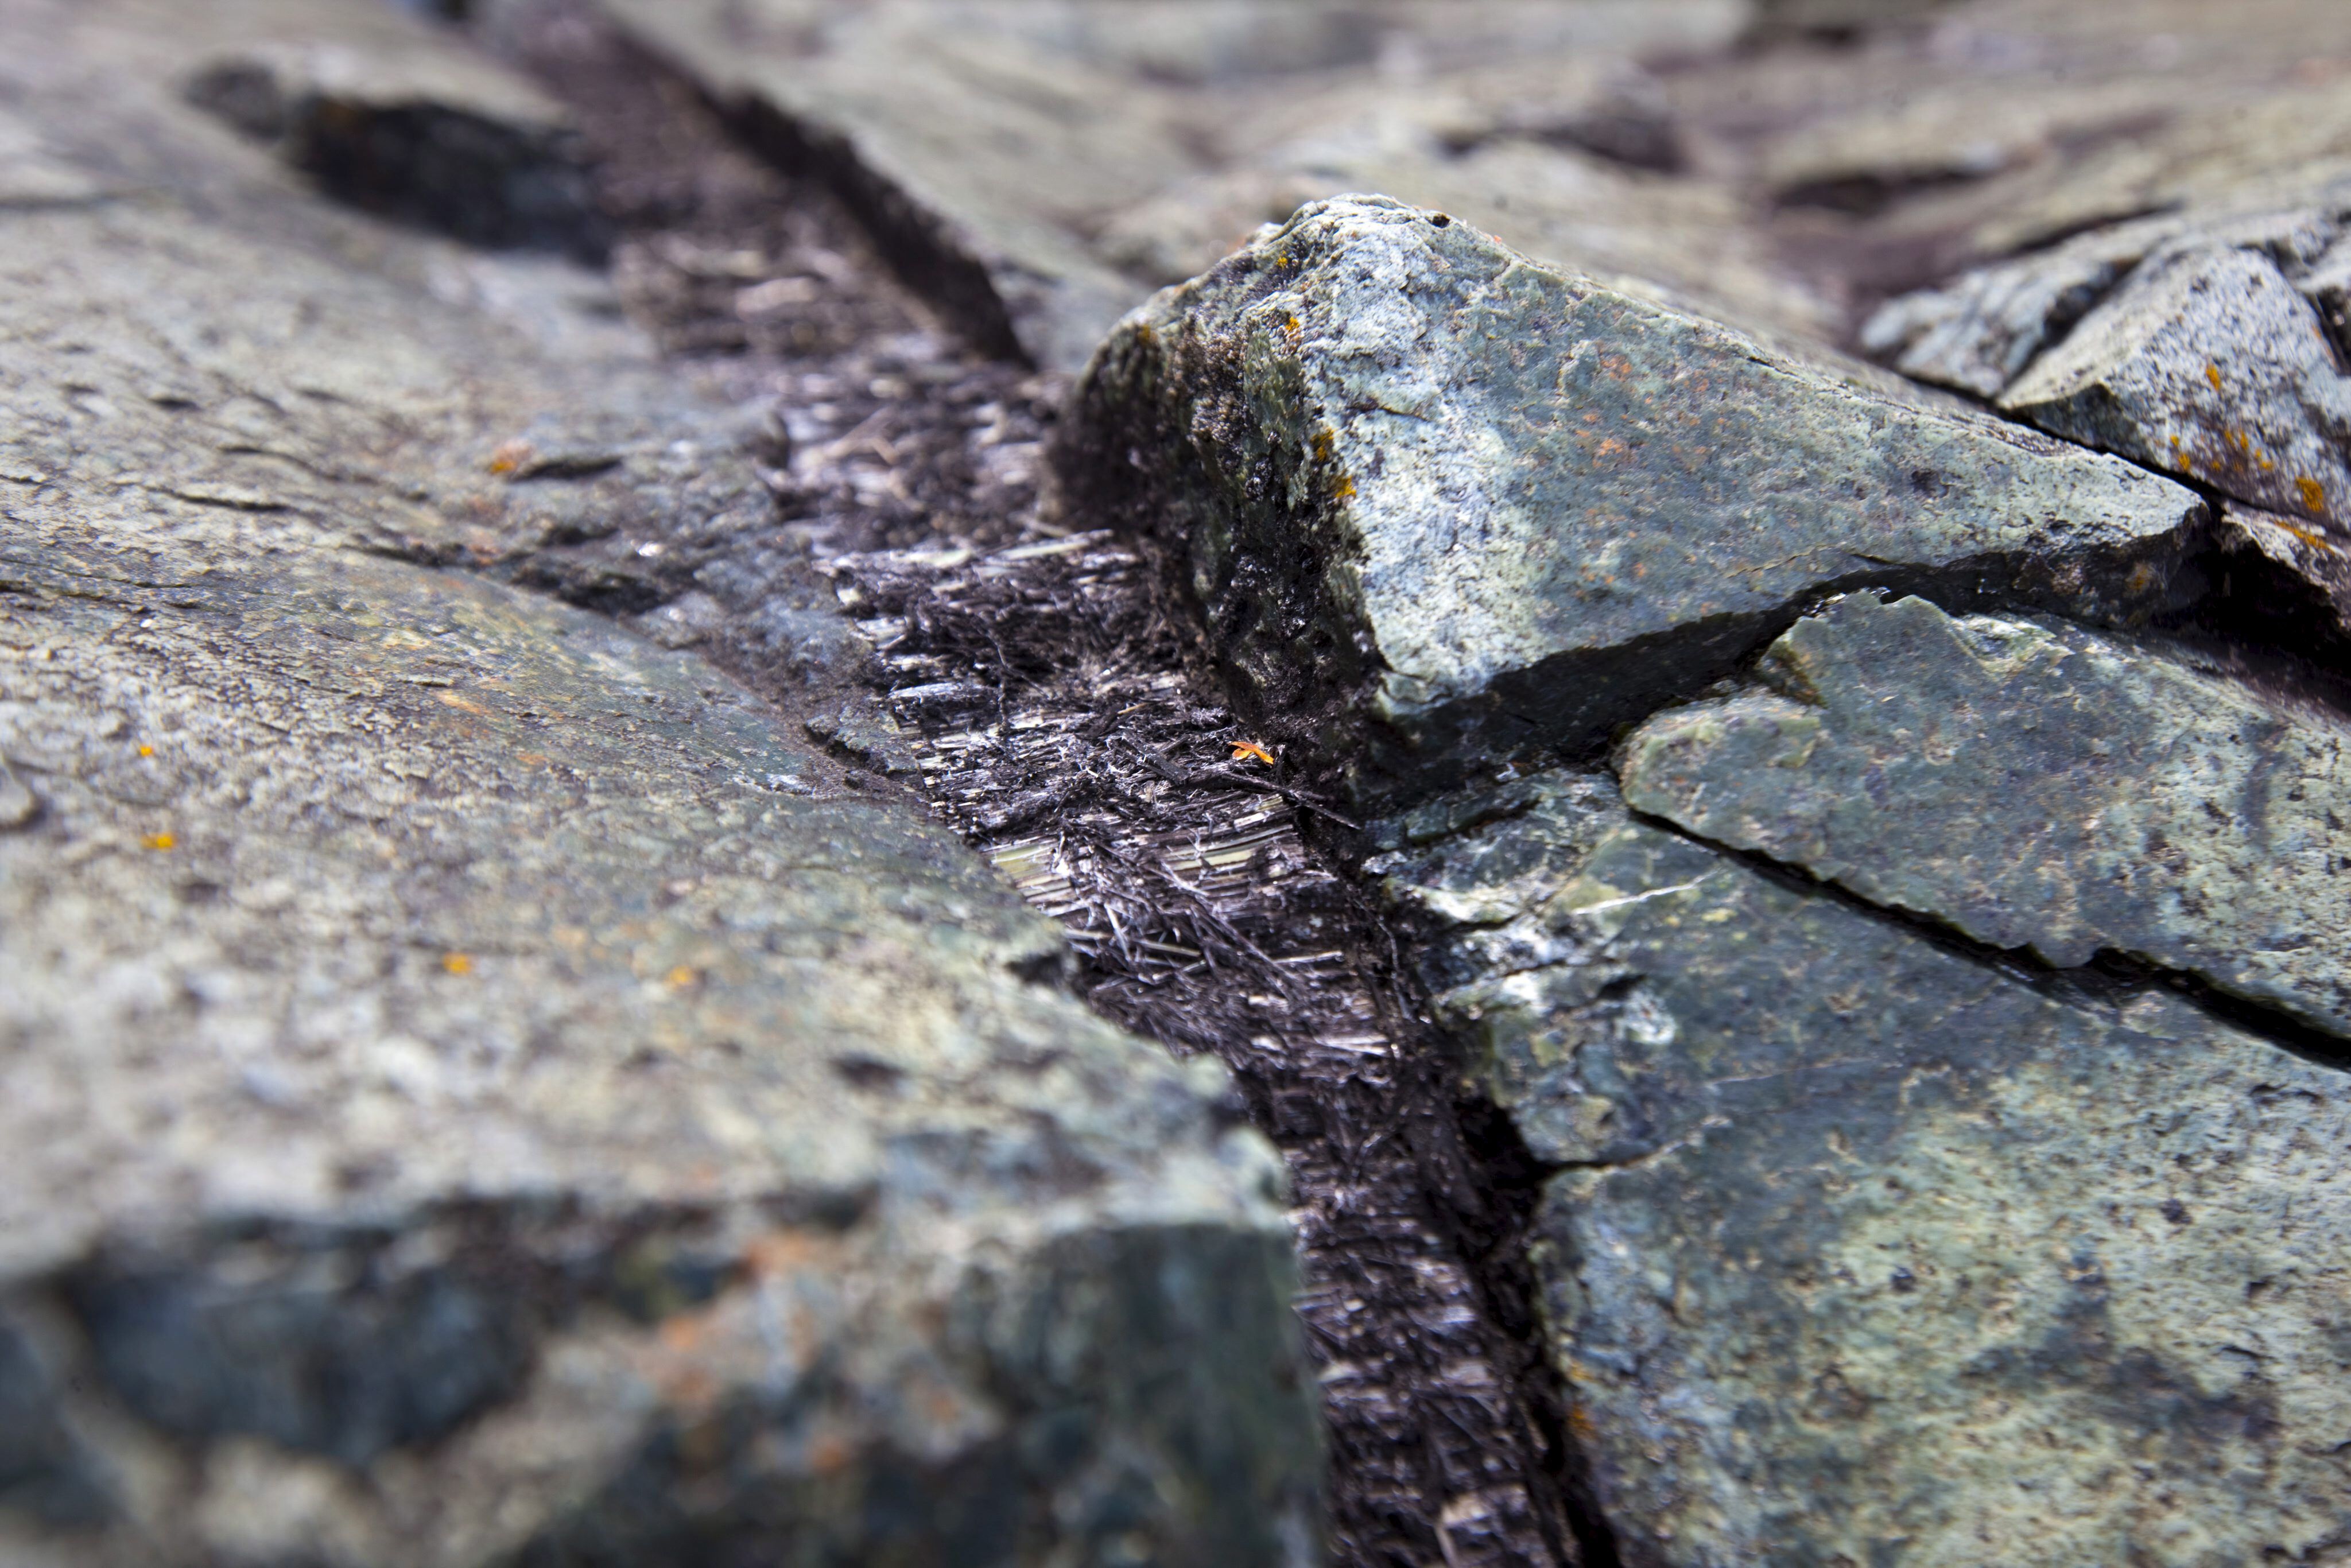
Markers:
point(1446, 507)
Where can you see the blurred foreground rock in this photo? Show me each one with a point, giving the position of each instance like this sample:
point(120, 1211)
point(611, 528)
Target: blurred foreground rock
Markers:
point(479, 1087)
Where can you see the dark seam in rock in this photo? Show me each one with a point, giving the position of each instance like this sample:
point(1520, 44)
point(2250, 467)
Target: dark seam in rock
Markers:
point(2105, 981)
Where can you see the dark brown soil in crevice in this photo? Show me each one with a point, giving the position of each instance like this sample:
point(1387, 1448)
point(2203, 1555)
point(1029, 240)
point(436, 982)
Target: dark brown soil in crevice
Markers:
point(1048, 705)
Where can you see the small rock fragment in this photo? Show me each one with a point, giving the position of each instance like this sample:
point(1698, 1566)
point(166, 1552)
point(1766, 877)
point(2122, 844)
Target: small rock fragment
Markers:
point(18, 804)
point(2212, 365)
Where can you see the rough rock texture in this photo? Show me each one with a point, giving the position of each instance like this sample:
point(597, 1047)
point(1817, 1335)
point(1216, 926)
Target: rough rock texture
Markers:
point(1869, 1251)
point(482, 1087)
point(2211, 365)
point(2035, 786)
point(1443, 505)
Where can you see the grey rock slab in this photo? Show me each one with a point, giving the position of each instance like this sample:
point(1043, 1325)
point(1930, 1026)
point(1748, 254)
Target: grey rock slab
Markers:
point(479, 1089)
point(2210, 365)
point(1443, 506)
point(1870, 1252)
point(2036, 786)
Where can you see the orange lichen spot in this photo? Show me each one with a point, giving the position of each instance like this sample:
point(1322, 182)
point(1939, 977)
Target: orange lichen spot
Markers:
point(457, 963)
point(2309, 536)
point(2312, 494)
point(829, 1454)
point(681, 978)
point(1242, 749)
point(1293, 328)
point(146, 751)
point(161, 841)
point(1323, 445)
point(1344, 487)
point(511, 455)
point(2212, 374)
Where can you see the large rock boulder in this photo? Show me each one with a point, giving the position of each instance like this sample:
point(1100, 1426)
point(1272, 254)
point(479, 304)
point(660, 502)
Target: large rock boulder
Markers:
point(482, 1088)
point(1443, 507)
point(1867, 1249)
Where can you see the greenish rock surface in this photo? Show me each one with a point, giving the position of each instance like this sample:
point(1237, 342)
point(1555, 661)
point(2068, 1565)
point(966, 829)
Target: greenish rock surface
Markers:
point(2036, 786)
point(1866, 1251)
point(1443, 505)
point(480, 1088)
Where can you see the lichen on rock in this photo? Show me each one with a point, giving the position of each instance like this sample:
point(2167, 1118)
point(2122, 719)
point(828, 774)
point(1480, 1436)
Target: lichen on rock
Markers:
point(1444, 506)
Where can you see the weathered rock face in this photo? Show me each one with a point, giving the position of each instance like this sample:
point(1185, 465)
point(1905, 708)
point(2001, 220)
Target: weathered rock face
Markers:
point(1870, 1251)
point(2035, 786)
point(1444, 506)
point(480, 1087)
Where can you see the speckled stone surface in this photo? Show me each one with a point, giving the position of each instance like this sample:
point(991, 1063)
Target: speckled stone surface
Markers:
point(2210, 365)
point(1443, 505)
point(2036, 786)
point(1866, 1251)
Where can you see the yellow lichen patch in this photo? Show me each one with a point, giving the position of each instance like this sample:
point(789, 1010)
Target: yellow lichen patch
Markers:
point(1294, 329)
point(2212, 374)
point(681, 978)
point(146, 751)
point(510, 456)
point(457, 963)
point(161, 841)
point(2309, 536)
point(2312, 494)
point(1344, 487)
point(1323, 445)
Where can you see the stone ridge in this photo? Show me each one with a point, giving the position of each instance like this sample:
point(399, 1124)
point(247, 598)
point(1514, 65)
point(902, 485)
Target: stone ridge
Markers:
point(1444, 506)
point(1866, 1251)
point(2036, 786)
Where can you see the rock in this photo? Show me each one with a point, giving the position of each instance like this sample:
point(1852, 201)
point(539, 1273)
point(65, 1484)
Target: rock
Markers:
point(2035, 786)
point(1867, 1250)
point(1979, 333)
point(2211, 365)
point(428, 132)
point(1037, 169)
point(479, 1090)
point(1443, 507)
